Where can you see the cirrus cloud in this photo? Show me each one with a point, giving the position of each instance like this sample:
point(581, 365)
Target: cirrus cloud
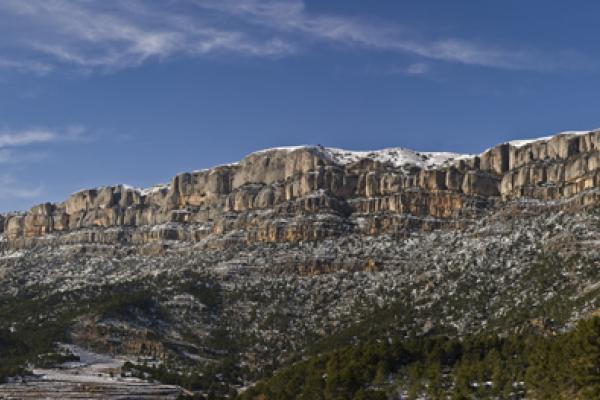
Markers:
point(42, 35)
point(11, 189)
point(14, 143)
point(21, 147)
point(26, 137)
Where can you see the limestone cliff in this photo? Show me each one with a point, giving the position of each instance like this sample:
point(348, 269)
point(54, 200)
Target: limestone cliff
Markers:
point(312, 192)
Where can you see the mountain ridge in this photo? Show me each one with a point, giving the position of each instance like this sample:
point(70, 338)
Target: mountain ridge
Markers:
point(229, 274)
point(338, 185)
point(364, 153)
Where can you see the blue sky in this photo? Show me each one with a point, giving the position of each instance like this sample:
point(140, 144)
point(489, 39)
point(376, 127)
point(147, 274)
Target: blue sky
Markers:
point(103, 92)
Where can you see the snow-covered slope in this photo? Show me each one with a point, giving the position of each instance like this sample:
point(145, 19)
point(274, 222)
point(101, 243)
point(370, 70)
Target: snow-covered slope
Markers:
point(396, 156)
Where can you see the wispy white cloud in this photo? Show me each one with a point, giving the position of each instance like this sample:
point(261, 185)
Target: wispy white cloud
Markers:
point(412, 69)
point(115, 34)
point(11, 156)
point(417, 69)
point(27, 137)
point(292, 16)
point(20, 147)
point(10, 188)
point(75, 133)
point(25, 66)
point(15, 144)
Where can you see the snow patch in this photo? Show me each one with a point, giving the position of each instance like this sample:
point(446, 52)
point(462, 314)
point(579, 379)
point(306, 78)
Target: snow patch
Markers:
point(523, 142)
point(142, 191)
point(211, 169)
point(284, 148)
point(13, 254)
point(154, 189)
point(396, 156)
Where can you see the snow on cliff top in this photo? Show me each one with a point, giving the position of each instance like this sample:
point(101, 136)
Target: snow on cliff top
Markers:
point(397, 156)
point(523, 142)
point(143, 191)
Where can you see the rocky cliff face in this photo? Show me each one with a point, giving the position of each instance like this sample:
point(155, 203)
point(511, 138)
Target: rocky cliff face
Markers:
point(234, 271)
point(310, 193)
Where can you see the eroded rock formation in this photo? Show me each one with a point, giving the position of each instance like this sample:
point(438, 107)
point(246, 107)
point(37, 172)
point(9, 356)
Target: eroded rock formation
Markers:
point(309, 193)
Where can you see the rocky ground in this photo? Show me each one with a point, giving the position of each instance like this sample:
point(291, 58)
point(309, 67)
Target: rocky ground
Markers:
point(259, 307)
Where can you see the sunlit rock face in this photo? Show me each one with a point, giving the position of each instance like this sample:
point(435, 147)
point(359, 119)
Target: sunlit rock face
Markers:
point(309, 193)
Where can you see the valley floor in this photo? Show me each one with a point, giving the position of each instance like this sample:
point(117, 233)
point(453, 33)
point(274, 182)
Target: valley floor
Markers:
point(93, 377)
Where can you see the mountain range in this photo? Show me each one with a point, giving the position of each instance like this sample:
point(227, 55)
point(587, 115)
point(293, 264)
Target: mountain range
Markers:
point(225, 279)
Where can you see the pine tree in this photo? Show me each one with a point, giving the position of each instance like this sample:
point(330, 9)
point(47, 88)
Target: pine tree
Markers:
point(586, 361)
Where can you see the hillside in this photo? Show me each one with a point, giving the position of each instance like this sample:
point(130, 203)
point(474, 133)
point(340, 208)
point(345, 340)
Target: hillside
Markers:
point(225, 276)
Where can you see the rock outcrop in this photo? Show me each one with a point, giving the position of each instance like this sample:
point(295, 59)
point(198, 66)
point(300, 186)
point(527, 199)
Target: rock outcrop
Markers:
point(309, 193)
